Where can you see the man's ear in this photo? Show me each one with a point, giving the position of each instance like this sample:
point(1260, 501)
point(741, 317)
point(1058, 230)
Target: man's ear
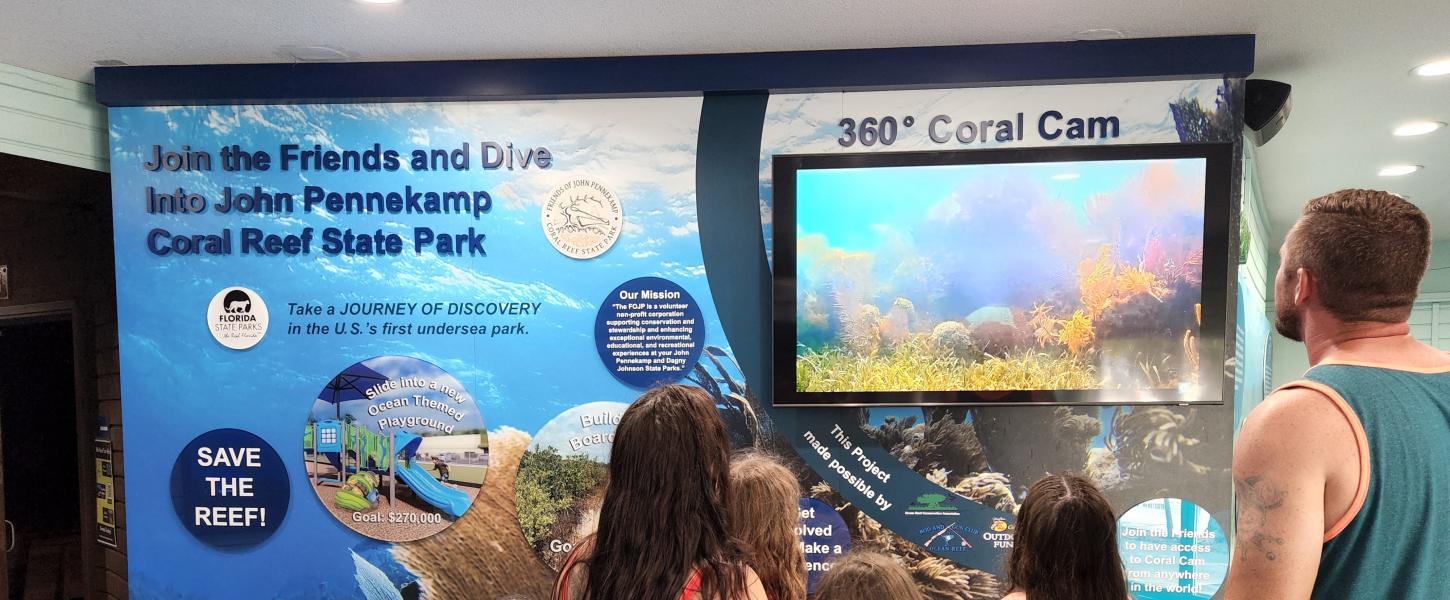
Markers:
point(1304, 285)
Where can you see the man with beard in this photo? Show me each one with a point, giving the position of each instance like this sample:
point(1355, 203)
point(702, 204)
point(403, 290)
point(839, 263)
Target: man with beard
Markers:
point(1343, 477)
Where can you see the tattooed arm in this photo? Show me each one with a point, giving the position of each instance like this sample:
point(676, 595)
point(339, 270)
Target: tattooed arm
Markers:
point(1289, 467)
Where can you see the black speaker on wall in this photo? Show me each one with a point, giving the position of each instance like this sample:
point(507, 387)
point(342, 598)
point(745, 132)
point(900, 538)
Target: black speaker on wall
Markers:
point(1266, 108)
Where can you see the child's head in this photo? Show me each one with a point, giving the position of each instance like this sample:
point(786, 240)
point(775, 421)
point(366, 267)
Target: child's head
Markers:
point(669, 492)
point(1066, 542)
point(863, 575)
point(764, 513)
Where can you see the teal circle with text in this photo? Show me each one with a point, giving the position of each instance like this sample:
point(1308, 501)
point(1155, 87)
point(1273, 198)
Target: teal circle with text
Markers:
point(1172, 549)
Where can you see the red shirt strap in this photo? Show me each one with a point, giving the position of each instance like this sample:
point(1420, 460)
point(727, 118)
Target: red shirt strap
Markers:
point(692, 586)
point(569, 562)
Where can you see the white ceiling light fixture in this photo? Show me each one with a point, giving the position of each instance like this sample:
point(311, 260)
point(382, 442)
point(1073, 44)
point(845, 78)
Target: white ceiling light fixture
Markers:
point(1434, 68)
point(315, 53)
point(378, 2)
point(1399, 170)
point(1101, 33)
point(1414, 128)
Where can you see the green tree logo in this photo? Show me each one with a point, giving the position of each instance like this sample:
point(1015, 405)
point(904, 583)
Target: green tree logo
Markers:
point(931, 502)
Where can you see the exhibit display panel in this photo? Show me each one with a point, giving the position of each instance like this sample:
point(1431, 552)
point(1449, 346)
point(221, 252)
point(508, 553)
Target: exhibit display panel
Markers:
point(379, 349)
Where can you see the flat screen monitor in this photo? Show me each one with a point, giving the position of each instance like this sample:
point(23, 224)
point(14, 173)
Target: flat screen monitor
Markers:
point(1082, 275)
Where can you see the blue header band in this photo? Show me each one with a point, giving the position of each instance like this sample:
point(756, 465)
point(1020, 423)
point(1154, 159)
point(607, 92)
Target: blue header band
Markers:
point(823, 70)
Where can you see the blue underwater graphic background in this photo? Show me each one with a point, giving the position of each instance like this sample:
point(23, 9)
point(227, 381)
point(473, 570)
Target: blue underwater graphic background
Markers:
point(179, 382)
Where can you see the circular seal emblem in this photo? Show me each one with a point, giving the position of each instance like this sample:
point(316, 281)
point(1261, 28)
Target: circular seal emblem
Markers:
point(582, 218)
point(237, 318)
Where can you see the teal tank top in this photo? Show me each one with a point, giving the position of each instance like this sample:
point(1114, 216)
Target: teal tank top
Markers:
point(1396, 543)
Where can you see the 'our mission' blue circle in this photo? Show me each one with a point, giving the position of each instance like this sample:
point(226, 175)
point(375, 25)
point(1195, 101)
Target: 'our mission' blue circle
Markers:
point(649, 331)
point(230, 489)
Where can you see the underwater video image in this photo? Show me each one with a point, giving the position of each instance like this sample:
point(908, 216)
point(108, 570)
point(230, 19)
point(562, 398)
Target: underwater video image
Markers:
point(1079, 275)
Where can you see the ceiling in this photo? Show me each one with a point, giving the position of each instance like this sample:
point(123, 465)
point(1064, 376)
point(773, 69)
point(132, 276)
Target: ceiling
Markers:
point(1348, 60)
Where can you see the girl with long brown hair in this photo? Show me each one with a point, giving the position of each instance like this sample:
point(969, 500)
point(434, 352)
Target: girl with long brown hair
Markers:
point(867, 575)
point(1066, 544)
point(664, 526)
point(764, 514)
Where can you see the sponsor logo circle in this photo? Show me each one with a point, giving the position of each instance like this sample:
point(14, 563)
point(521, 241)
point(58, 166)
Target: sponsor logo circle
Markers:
point(237, 318)
point(582, 218)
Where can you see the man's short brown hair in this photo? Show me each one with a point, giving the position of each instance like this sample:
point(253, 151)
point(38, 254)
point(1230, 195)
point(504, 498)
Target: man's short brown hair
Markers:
point(1367, 249)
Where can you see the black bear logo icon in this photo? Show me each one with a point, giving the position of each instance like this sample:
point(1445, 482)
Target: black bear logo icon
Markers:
point(237, 301)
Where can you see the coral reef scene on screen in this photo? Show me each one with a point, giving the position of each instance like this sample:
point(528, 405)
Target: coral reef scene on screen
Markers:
point(1027, 276)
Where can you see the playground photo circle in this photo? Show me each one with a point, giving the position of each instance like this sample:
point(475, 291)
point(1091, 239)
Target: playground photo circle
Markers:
point(395, 448)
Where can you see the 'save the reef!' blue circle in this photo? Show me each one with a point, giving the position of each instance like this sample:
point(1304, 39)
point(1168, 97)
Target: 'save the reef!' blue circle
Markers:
point(230, 489)
point(649, 331)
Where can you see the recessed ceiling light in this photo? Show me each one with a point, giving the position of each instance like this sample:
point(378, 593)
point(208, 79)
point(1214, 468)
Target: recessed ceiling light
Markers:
point(378, 1)
point(1398, 170)
point(1434, 68)
point(1414, 128)
point(1065, 176)
point(315, 53)
point(1102, 33)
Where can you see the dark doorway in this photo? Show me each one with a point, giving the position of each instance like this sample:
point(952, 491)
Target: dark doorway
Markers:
point(55, 243)
point(38, 436)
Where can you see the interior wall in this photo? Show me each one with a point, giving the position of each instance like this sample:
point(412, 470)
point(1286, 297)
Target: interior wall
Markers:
point(1258, 260)
point(1437, 278)
point(51, 119)
point(57, 121)
point(1290, 360)
point(1255, 277)
point(55, 236)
